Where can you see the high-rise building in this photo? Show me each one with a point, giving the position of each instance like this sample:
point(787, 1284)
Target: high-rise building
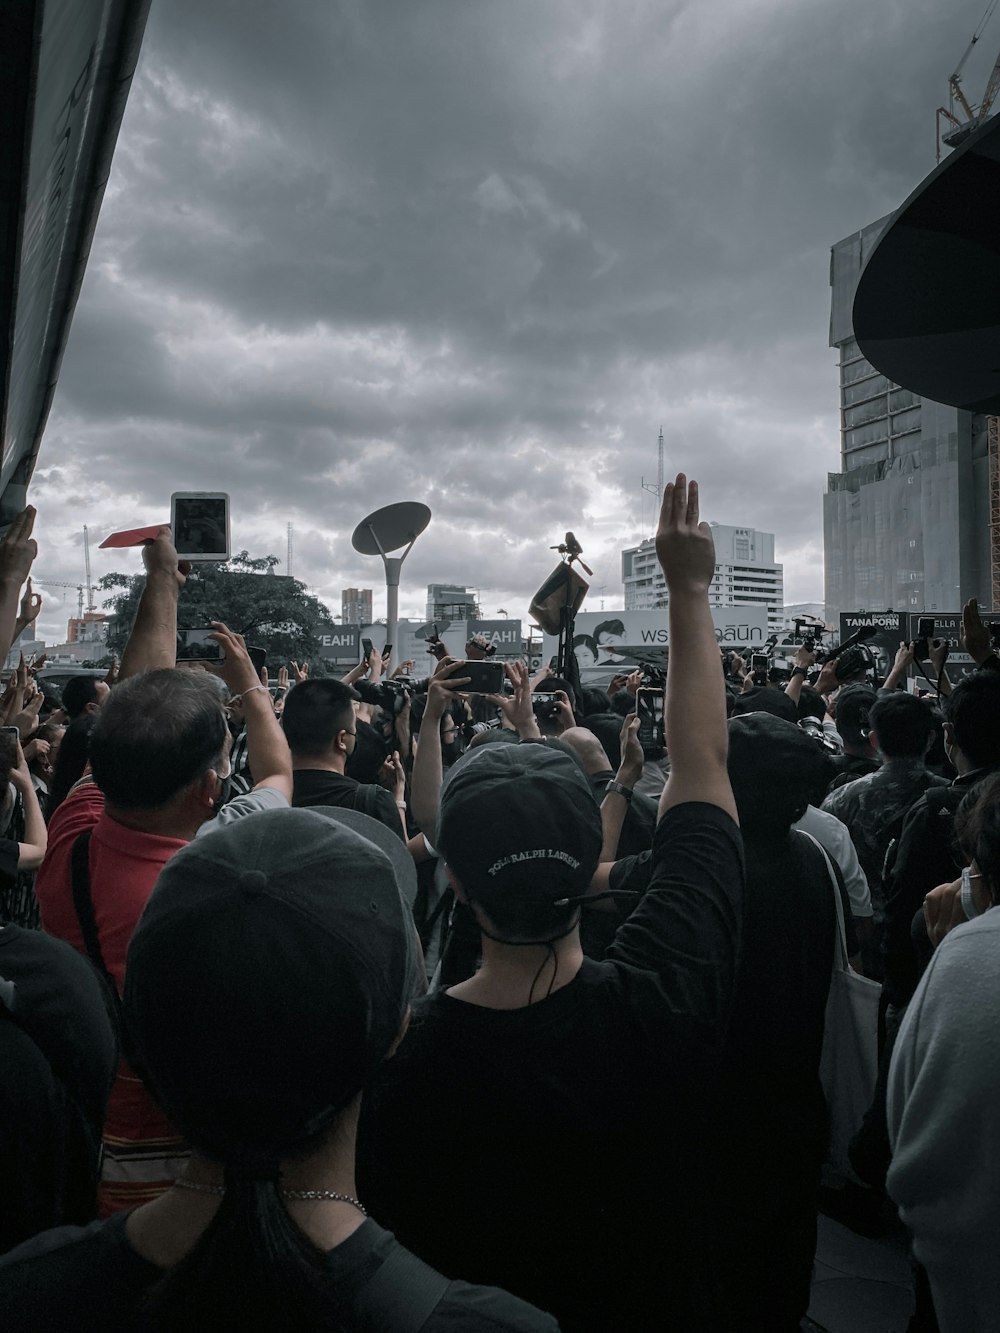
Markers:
point(745, 574)
point(906, 519)
point(448, 601)
point(356, 606)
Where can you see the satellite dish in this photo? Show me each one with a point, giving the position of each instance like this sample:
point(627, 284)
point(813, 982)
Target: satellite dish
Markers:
point(425, 631)
point(926, 312)
point(390, 528)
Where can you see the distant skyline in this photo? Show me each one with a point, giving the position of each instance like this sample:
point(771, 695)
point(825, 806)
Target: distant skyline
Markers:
point(474, 255)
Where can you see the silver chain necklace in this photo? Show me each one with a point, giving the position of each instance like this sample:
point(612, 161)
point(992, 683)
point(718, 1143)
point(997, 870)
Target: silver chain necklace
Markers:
point(219, 1190)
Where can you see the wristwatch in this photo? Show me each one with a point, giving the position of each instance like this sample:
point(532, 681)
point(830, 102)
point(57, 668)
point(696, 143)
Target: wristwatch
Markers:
point(620, 788)
point(799, 671)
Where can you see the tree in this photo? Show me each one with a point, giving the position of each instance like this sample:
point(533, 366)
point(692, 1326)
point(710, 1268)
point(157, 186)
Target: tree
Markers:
point(270, 610)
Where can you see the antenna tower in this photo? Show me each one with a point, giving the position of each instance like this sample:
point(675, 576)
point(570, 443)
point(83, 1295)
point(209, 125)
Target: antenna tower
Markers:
point(288, 562)
point(648, 485)
point(86, 559)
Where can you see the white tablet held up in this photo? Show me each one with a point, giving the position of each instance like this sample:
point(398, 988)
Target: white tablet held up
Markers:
point(199, 521)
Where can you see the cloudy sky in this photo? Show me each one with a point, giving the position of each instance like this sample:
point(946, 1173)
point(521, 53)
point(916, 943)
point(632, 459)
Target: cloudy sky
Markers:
point(475, 253)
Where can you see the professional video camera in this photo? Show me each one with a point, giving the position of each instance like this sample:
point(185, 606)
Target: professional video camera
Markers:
point(808, 632)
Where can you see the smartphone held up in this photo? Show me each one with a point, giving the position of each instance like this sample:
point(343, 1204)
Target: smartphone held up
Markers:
point(199, 522)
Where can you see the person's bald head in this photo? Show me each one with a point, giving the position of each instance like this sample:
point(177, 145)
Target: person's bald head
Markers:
point(588, 748)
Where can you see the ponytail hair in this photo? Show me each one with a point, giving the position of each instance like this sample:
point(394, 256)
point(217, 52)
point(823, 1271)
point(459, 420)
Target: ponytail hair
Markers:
point(251, 1268)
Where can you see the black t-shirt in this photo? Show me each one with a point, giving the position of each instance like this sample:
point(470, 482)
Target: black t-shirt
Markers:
point(58, 1057)
point(776, 1036)
point(318, 786)
point(90, 1278)
point(557, 1150)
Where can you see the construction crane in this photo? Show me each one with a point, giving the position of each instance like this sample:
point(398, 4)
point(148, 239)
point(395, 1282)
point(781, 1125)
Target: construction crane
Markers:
point(974, 116)
point(55, 583)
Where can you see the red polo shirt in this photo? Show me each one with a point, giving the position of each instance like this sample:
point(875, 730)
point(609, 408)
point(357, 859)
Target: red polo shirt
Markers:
point(142, 1152)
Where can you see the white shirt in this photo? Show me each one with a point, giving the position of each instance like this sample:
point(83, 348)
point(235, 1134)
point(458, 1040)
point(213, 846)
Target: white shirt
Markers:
point(832, 834)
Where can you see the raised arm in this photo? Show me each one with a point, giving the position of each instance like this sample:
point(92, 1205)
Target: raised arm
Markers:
point(268, 756)
point(31, 852)
point(153, 641)
point(617, 799)
point(804, 659)
point(695, 709)
point(428, 771)
point(17, 552)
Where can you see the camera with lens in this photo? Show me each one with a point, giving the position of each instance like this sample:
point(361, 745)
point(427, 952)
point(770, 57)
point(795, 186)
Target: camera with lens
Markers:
point(852, 661)
point(392, 694)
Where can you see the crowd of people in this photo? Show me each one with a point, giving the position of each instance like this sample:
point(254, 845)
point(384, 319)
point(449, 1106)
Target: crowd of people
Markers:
point(372, 1003)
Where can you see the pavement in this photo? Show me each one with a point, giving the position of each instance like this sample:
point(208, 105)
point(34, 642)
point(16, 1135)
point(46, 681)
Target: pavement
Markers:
point(859, 1285)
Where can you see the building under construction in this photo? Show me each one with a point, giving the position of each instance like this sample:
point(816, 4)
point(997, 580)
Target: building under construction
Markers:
point(907, 519)
point(912, 519)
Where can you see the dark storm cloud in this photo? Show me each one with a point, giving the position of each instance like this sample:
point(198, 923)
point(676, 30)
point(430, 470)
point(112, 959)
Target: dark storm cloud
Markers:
point(476, 254)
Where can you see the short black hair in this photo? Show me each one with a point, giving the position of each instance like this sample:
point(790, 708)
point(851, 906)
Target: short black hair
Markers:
point(157, 733)
point(77, 693)
point(315, 710)
point(765, 699)
point(973, 709)
point(607, 727)
point(811, 703)
point(853, 716)
point(592, 700)
point(903, 725)
point(553, 683)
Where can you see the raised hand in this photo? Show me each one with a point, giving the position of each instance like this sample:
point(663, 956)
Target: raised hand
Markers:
point(237, 670)
point(160, 557)
point(975, 635)
point(18, 548)
point(632, 758)
point(684, 545)
point(300, 673)
point(516, 708)
point(31, 604)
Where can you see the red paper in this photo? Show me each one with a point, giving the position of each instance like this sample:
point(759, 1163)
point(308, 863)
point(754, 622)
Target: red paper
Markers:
point(133, 537)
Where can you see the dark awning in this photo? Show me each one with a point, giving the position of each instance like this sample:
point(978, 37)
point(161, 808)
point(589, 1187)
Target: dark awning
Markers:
point(927, 308)
point(65, 72)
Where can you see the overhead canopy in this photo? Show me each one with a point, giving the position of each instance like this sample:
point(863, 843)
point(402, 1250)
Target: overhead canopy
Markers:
point(65, 72)
point(927, 308)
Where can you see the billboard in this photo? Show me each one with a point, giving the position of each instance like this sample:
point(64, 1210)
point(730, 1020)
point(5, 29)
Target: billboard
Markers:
point(947, 625)
point(606, 642)
point(892, 631)
point(505, 635)
point(342, 644)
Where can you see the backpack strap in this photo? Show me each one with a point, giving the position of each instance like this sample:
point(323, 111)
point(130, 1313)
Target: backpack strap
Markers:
point(401, 1295)
point(83, 904)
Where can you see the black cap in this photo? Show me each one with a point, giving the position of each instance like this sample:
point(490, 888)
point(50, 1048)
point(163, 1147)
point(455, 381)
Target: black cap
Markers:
point(269, 975)
point(519, 821)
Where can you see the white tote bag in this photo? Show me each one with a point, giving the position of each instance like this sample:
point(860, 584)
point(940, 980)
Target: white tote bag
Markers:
point(849, 1062)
